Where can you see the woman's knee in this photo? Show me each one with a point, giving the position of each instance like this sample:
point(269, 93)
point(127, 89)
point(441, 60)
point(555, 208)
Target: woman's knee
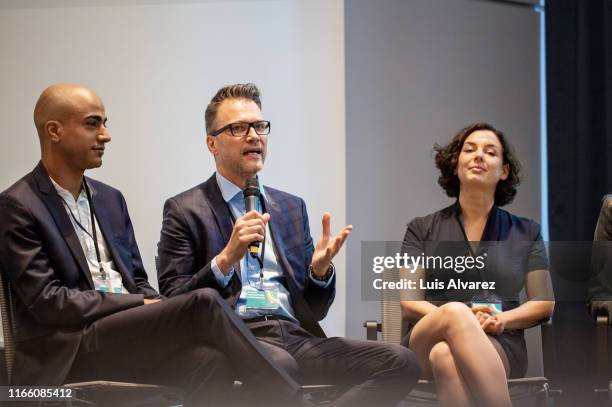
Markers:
point(441, 354)
point(457, 315)
point(455, 309)
point(441, 359)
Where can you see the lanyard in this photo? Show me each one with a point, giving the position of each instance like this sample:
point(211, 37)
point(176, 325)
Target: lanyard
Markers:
point(93, 235)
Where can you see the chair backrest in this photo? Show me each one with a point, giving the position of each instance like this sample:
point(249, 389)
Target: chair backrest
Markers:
point(391, 311)
point(8, 329)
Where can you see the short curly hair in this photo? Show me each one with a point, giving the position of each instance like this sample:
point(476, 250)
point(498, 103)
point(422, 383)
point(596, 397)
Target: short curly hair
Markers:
point(447, 158)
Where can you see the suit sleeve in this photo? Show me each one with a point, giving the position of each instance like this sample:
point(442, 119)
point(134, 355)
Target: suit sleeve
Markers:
point(177, 257)
point(138, 271)
point(319, 298)
point(34, 278)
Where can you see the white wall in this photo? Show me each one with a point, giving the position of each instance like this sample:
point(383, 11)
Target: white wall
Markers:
point(156, 67)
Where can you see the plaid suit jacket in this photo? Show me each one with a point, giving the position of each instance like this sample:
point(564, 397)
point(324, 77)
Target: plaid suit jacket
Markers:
point(197, 225)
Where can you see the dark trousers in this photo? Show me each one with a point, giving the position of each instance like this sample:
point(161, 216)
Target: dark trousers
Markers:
point(193, 341)
point(375, 373)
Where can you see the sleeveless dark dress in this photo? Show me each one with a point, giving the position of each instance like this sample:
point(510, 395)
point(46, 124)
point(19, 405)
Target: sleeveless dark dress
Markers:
point(513, 247)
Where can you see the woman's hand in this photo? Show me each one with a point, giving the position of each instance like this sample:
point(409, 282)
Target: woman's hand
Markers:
point(482, 313)
point(494, 325)
point(491, 322)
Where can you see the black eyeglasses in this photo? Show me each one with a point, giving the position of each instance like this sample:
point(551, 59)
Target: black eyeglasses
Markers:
point(241, 129)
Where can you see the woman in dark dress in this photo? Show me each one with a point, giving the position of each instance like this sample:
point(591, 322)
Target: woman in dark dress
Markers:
point(471, 349)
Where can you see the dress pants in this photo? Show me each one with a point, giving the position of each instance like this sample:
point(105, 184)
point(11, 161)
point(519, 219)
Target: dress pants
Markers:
point(194, 341)
point(376, 373)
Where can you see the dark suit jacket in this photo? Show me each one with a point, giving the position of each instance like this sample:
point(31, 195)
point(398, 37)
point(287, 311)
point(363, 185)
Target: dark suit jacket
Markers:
point(600, 285)
point(198, 224)
point(54, 299)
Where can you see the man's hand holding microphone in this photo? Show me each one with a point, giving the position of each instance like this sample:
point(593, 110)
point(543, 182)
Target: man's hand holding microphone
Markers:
point(249, 230)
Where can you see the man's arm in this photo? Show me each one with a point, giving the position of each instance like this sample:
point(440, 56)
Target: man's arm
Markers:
point(34, 279)
point(177, 257)
point(318, 296)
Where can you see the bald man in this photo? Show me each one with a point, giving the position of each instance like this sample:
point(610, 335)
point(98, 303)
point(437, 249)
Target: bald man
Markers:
point(82, 306)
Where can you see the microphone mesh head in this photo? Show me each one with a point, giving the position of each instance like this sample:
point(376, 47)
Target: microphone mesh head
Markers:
point(251, 187)
point(252, 182)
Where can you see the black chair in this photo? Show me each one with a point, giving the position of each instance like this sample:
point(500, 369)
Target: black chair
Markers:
point(522, 391)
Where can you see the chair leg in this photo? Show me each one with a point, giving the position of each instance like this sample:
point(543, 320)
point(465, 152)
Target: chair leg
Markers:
point(543, 397)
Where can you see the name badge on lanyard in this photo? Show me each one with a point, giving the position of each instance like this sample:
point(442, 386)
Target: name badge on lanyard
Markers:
point(262, 297)
point(488, 300)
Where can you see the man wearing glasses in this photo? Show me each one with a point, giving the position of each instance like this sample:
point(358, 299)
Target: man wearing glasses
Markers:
point(288, 284)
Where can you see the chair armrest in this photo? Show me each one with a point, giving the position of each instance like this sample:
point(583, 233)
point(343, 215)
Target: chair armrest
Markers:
point(546, 327)
point(372, 330)
point(548, 346)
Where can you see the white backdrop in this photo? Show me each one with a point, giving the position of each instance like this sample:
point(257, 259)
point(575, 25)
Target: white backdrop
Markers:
point(156, 67)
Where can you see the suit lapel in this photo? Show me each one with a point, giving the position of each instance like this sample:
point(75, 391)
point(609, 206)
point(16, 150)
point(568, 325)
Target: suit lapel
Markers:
point(276, 225)
point(219, 208)
point(102, 218)
point(54, 203)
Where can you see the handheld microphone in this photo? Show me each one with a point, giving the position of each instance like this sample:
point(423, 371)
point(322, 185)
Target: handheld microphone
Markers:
point(251, 194)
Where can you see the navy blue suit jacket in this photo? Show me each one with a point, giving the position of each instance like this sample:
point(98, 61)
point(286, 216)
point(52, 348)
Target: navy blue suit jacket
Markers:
point(53, 296)
point(198, 224)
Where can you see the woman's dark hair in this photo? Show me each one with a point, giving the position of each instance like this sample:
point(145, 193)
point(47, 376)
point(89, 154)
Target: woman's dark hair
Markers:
point(447, 157)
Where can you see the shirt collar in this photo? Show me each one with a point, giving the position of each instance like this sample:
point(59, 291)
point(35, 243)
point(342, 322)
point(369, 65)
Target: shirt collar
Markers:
point(229, 189)
point(64, 193)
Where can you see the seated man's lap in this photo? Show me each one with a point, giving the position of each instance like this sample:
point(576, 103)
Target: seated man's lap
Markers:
point(132, 342)
point(330, 360)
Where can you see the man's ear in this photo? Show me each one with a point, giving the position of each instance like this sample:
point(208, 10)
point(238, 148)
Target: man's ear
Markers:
point(54, 130)
point(211, 143)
